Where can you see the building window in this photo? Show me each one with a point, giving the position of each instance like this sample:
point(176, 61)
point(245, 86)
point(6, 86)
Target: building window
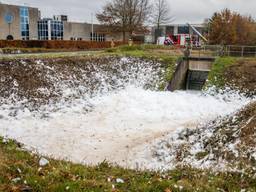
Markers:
point(43, 30)
point(50, 30)
point(169, 30)
point(24, 23)
point(97, 37)
point(57, 30)
point(183, 30)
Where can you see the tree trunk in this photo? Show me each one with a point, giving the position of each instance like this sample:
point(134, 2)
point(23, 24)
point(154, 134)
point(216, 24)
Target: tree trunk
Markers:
point(123, 36)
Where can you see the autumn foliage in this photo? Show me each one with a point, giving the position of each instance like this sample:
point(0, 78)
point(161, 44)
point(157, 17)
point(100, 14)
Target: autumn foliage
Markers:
point(231, 28)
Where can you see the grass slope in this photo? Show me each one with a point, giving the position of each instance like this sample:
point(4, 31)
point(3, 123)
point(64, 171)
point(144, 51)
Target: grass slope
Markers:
point(20, 171)
point(216, 75)
point(236, 73)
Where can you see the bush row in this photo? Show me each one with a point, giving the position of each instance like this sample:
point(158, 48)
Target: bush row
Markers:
point(61, 44)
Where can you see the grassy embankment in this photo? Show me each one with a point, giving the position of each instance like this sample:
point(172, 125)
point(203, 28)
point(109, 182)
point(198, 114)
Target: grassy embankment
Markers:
point(216, 75)
point(166, 55)
point(235, 73)
point(20, 170)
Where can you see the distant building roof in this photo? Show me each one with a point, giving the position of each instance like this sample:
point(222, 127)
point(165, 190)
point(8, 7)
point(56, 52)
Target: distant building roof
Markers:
point(24, 5)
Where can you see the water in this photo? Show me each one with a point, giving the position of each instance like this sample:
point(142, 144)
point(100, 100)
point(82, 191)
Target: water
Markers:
point(118, 120)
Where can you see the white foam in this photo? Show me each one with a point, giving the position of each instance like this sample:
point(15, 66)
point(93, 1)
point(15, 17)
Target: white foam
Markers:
point(121, 124)
point(119, 127)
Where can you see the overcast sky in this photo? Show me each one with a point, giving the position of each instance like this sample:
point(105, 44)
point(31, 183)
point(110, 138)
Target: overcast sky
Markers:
point(193, 11)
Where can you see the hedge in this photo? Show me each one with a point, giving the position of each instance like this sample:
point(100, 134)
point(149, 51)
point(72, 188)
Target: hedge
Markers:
point(58, 44)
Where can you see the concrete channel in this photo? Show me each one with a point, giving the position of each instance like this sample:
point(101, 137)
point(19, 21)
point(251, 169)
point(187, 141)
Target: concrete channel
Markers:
point(191, 73)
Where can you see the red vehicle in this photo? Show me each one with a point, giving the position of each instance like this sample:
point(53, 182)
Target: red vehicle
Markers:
point(180, 39)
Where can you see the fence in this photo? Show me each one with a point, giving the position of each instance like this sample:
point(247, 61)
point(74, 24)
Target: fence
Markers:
point(240, 51)
point(206, 51)
point(228, 50)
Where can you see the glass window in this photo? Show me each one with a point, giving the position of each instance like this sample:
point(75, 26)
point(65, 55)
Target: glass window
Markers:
point(57, 30)
point(183, 30)
point(97, 37)
point(43, 30)
point(24, 23)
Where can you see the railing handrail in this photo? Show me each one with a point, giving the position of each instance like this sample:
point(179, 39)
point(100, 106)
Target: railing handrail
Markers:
point(225, 50)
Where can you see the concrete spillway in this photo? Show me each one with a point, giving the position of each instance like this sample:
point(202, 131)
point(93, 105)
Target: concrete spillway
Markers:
point(191, 73)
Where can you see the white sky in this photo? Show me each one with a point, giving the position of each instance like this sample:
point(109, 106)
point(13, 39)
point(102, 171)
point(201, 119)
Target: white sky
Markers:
point(193, 11)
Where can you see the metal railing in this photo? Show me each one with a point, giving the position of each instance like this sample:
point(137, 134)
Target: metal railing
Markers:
point(240, 51)
point(206, 51)
point(228, 50)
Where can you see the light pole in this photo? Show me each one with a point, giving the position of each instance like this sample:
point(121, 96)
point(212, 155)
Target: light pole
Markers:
point(9, 19)
point(92, 27)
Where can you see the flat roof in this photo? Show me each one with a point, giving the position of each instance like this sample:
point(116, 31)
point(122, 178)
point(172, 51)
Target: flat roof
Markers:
point(177, 25)
point(25, 5)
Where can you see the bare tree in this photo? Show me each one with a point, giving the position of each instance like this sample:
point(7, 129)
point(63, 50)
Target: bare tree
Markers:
point(162, 12)
point(126, 16)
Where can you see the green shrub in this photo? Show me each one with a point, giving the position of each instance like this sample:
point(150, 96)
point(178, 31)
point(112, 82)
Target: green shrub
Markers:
point(111, 50)
point(131, 48)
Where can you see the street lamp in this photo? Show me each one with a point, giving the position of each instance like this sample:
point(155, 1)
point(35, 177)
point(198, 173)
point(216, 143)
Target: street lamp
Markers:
point(9, 19)
point(92, 26)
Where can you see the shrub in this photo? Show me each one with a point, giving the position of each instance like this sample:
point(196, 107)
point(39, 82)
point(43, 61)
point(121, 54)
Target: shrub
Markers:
point(58, 44)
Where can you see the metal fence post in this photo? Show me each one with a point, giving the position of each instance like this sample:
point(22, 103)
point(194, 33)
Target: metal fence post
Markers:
point(242, 54)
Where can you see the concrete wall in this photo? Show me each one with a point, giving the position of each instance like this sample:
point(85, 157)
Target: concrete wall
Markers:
point(34, 17)
point(83, 30)
point(178, 81)
point(15, 31)
point(76, 30)
point(14, 26)
point(200, 65)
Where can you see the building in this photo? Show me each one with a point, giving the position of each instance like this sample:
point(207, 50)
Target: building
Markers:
point(60, 17)
point(177, 33)
point(50, 29)
point(86, 31)
point(25, 23)
point(18, 22)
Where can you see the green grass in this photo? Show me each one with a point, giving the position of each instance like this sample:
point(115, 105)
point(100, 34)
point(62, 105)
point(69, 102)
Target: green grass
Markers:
point(65, 176)
point(9, 50)
point(142, 47)
point(216, 74)
point(51, 55)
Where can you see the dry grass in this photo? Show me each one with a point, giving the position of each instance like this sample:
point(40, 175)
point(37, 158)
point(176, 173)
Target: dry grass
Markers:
point(242, 75)
point(248, 126)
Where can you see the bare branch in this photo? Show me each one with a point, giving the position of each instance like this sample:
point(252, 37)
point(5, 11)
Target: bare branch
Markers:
point(126, 16)
point(162, 13)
